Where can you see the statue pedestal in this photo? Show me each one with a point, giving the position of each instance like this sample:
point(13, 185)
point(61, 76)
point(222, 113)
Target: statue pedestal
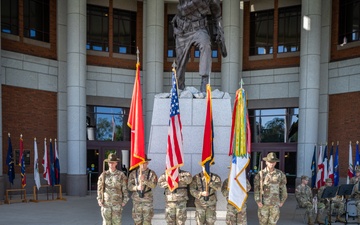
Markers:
point(192, 113)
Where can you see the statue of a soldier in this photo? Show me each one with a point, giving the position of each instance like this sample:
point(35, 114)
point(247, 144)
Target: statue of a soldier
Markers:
point(191, 28)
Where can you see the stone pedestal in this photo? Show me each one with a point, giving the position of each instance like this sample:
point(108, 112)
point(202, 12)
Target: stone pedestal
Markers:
point(192, 113)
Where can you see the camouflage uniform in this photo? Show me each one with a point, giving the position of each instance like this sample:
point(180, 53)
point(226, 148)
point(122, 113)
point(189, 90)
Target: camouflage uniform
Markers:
point(337, 204)
point(175, 208)
point(233, 216)
point(356, 195)
point(303, 195)
point(115, 196)
point(205, 210)
point(274, 194)
point(143, 209)
point(191, 28)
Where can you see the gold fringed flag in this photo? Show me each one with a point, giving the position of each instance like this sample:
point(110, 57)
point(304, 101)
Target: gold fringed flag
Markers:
point(208, 146)
point(136, 124)
point(240, 150)
point(22, 163)
point(174, 154)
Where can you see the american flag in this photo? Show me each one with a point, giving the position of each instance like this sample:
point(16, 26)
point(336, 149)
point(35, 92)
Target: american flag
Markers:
point(174, 154)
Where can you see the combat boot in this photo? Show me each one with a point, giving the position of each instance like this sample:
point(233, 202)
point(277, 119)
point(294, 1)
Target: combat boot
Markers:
point(311, 218)
point(319, 219)
point(204, 82)
point(310, 221)
point(340, 219)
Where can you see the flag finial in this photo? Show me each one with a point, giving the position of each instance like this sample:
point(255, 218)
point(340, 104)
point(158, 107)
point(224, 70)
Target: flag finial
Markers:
point(137, 54)
point(241, 83)
point(9, 134)
point(34, 138)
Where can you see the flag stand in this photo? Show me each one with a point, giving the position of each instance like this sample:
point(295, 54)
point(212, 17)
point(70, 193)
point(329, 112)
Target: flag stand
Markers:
point(22, 191)
point(49, 190)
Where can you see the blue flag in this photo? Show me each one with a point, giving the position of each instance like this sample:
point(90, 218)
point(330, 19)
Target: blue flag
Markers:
point(357, 156)
point(57, 165)
point(336, 167)
point(313, 168)
point(10, 162)
point(52, 167)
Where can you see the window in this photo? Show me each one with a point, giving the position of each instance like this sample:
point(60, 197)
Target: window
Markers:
point(274, 125)
point(10, 17)
point(124, 32)
point(171, 52)
point(261, 32)
point(36, 20)
point(97, 28)
point(349, 21)
point(100, 119)
point(289, 29)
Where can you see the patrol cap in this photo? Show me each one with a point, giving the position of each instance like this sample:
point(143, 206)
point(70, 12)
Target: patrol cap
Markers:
point(112, 158)
point(271, 157)
point(357, 170)
point(303, 177)
point(328, 180)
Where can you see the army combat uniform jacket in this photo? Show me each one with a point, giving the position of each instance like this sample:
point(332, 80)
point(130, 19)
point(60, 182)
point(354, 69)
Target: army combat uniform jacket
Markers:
point(273, 185)
point(149, 184)
point(198, 185)
point(116, 192)
point(180, 193)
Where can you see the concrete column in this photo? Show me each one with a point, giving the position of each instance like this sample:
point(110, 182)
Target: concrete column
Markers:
point(62, 87)
point(2, 181)
point(230, 64)
point(76, 182)
point(309, 84)
point(326, 8)
point(154, 65)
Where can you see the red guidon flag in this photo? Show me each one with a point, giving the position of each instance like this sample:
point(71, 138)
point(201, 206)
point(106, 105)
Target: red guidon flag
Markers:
point(136, 124)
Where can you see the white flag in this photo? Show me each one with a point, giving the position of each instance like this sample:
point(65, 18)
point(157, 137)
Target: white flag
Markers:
point(36, 166)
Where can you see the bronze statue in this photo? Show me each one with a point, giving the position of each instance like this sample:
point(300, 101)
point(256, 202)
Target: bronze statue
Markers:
point(191, 28)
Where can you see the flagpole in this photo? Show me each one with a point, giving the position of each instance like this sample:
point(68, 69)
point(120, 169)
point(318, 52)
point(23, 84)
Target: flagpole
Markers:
point(8, 166)
point(140, 169)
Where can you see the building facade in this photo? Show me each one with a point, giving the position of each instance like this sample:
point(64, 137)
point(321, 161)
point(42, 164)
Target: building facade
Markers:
point(68, 68)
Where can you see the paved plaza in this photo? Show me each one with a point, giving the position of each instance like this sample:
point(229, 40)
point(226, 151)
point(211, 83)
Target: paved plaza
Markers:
point(85, 211)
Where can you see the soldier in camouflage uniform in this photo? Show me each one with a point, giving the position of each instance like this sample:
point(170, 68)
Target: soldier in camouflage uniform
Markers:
point(304, 198)
point(141, 184)
point(205, 200)
point(233, 216)
point(191, 28)
point(356, 192)
point(270, 191)
point(337, 202)
point(112, 194)
point(175, 208)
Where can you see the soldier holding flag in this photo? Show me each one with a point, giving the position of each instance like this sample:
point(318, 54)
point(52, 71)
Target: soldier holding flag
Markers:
point(204, 193)
point(142, 181)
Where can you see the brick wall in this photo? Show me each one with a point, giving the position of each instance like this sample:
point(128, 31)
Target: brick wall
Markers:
point(344, 125)
point(32, 113)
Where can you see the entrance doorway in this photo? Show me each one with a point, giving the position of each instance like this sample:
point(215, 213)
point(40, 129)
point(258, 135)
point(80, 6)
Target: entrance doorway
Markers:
point(97, 152)
point(286, 152)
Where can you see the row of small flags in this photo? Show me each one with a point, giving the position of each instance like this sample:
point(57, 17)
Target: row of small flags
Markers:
point(50, 162)
point(323, 167)
point(174, 155)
